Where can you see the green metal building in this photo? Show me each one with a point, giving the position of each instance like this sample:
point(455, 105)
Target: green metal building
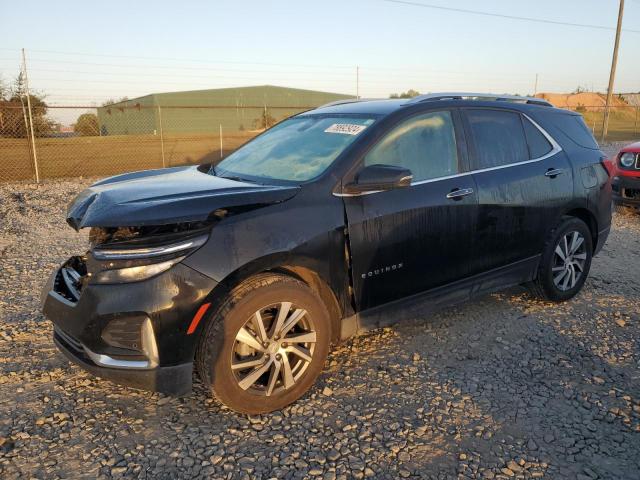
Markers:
point(205, 111)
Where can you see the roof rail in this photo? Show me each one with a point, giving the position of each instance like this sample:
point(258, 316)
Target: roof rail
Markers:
point(345, 101)
point(478, 96)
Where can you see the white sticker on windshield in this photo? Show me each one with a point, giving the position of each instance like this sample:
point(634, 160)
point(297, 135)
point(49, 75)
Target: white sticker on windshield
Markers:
point(345, 128)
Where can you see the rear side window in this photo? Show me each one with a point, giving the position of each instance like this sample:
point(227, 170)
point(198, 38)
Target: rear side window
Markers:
point(539, 146)
point(499, 138)
point(425, 144)
point(573, 126)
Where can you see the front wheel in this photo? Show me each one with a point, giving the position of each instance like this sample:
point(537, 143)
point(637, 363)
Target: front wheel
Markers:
point(266, 344)
point(565, 261)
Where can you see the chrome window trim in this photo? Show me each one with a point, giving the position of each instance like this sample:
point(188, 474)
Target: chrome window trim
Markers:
point(555, 149)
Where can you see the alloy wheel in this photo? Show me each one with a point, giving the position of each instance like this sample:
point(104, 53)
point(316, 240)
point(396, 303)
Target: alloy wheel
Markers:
point(569, 260)
point(273, 349)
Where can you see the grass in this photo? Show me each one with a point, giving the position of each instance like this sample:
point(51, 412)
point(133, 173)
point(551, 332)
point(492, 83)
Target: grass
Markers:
point(101, 156)
point(110, 155)
point(624, 125)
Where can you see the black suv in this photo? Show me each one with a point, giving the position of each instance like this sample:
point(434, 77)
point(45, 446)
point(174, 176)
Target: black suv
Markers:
point(322, 227)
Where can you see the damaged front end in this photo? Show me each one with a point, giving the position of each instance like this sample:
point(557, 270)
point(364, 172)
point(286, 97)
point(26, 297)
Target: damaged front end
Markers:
point(123, 309)
point(132, 254)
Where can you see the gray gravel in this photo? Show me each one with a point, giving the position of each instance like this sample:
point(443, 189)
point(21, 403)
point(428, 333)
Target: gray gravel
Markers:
point(504, 387)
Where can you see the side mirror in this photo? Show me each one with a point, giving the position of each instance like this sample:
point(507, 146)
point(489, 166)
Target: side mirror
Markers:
point(375, 178)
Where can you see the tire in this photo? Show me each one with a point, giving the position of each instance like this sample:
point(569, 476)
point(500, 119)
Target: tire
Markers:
point(231, 334)
point(546, 286)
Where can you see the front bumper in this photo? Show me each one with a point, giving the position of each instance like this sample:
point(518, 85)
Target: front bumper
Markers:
point(171, 380)
point(626, 191)
point(162, 305)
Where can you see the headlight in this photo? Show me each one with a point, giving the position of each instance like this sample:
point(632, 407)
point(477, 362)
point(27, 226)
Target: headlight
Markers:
point(134, 253)
point(126, 262)
point(627, 159)
point(134, 274)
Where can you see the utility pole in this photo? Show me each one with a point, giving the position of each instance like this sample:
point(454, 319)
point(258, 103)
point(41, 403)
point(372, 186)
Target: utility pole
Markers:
point(161, 136)
point(535, 87)
point(220, 141)
point(357, 82)
point(612, 76)
point(33, 138)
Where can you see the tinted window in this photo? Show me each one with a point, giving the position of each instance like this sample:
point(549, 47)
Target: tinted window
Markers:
point(539, 146)
point(499, 138)
point(425, 144)
point(573, 126)
point(297, 149)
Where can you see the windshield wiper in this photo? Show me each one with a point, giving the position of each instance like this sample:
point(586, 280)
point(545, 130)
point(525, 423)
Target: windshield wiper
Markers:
point(237, 179)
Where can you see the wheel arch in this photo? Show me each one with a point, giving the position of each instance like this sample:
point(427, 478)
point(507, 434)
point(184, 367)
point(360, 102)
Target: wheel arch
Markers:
point(303, 269)
point(590, 219)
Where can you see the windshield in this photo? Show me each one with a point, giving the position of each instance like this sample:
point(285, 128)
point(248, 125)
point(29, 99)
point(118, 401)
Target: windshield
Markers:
point(297, 149)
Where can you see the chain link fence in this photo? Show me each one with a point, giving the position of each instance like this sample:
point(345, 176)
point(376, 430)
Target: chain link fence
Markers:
point(120, 138)
point(624, 122)
point(115, 139)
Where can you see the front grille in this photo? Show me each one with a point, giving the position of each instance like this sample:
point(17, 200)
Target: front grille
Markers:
point(631, 193)
point(70, 278)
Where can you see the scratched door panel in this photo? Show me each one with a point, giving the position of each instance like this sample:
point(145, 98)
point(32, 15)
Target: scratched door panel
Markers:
point(409, 240)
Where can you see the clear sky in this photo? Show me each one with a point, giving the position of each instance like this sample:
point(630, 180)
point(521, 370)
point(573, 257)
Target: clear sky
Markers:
point(85, 52)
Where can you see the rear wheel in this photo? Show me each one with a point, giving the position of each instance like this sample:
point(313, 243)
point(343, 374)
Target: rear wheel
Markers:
point(265, 345)
point(565, 262)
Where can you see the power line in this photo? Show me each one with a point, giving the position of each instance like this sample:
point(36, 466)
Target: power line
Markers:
point(501, 15)
point(375, 70)
point(173, 59)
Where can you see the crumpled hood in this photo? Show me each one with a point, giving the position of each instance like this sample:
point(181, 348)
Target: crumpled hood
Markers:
point(161, 197)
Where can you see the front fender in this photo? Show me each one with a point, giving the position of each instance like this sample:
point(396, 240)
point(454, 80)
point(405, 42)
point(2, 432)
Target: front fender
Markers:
point(296, 234)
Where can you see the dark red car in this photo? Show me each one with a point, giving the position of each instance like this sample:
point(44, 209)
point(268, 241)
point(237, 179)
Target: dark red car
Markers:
point(626, 177)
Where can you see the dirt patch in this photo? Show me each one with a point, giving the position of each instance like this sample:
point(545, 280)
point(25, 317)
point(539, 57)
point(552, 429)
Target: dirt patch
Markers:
point(587, 100)
point(503, 387)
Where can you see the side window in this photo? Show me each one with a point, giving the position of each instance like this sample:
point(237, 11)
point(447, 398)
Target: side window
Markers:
point(499, 138)
point(573, 126)
point(539, 146)
point(425, 144)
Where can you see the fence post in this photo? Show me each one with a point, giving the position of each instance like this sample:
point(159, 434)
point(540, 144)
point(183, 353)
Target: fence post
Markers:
point(220, 141)
point(33, 138)
point(161, 135)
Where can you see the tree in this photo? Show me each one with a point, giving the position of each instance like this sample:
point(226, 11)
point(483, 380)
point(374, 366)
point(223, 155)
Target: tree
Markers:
point(14, 113)
point(408, 94)
point(87, 125)
point(4, 90)
point(111, 101)
point(264, 121)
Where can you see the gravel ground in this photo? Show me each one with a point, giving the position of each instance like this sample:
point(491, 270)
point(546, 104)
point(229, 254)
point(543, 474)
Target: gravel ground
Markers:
point(503, 387)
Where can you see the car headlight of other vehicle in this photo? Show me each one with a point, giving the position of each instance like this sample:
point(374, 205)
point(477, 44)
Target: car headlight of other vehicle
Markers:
point(126, 263)
point(627, 159)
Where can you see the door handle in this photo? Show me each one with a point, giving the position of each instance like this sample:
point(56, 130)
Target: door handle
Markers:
point(553, 172)
point(458, 193)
